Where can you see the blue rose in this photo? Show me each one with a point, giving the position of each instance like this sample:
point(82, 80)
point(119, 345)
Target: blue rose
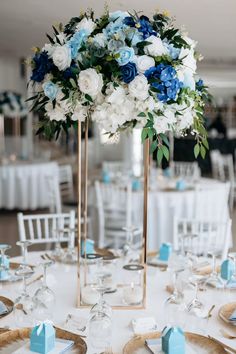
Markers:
point(50, 90)
point(167, 73)
point(42, 66)
point(128, 71)
point(69, 73)
point(76, 41)
point(126, 54)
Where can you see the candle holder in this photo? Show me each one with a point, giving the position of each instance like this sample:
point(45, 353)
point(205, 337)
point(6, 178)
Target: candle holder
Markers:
point(133, 290)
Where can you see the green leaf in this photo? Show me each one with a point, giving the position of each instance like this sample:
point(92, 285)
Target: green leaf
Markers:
point(205, 143)
point(196, 150)
point(166, 152)
point(150, 115)
point(165, 139)
point(142, 114)
point(73, 83)
point(153, 147)
point(150, 133)
point(88, 98)
point(144, 134)
point(50, 39)
point(203, 151)
point(159, 156)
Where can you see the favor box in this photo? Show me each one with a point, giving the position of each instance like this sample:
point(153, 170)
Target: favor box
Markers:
point(173, 340)
point(136, 185)
point(106, 177)
point(89, 247)
point(227, 269)
point(167, 172)
point(180, 185)
point(165, 251)
point(6, 263)
point(42, 340)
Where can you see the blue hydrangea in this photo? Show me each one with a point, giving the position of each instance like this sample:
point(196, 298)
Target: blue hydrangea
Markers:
point(145, 27)
point(116, 27)
point(128, 71)
point(76, 41)
point(42, 66)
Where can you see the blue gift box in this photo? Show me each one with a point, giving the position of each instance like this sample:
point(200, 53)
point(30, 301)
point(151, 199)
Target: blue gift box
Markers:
point(173, 340)
point(167, 172)
point(42, 338)
point(4, 273)
point(180, 185)
point(165, 251)
point(136, 185)
point(106, 178)
point(227, 269)
point(89, 246)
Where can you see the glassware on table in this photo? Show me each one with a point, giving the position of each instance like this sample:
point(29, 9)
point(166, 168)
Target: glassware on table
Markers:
point(231, 284)
point(24, 305)
point(92, 265)
point(44, 298)
point(4, 264)
point(176, 264)
point(131, 254)
point(195, 303)
point(214, 278)
point(100, 333)
point(58, 252)
point(70, 255)
point(24, 247)
point(133, 289)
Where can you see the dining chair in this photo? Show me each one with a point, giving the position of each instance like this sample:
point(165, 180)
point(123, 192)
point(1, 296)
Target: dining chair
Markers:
point(202, 236)
point(114, 207)
point(66, 182)
point(183, 169)
point(43, 228)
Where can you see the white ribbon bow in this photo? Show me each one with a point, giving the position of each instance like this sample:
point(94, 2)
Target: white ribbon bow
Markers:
point(41, 325)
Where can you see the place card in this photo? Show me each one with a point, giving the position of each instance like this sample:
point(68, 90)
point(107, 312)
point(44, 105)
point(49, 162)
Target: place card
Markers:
point(61, 346)
point(144, 325)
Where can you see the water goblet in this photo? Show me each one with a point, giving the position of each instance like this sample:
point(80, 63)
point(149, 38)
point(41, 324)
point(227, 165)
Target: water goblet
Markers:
point(214, 279)
point(24, 305)
point(58, 252)
point(44, 297)
point(24, 247)
point(70, 256)
point(131, 254)
point(100, 332)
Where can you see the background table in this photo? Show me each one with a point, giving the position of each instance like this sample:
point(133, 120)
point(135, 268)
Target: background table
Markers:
point(24, 186)
point(157, 280)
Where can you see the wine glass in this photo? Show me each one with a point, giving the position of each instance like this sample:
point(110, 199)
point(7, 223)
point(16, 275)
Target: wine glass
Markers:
point(58, 252)
point(100, 332)
point(44, 297)
point(70, 256)
point(176, 264)
point(214, 279)
point(24, 246)
point(4, 265)
point(24, 305)
point(131, 255)
point(196, 280)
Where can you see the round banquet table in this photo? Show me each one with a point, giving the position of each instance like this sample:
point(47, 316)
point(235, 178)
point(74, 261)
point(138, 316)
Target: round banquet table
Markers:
point(23, 186)
point(62, 279)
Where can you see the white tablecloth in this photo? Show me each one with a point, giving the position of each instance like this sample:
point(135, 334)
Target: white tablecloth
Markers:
point(63, 281)
point(23, 186)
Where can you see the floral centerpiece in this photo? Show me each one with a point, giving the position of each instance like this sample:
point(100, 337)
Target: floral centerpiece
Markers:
point(12, 104)
point(122, 70)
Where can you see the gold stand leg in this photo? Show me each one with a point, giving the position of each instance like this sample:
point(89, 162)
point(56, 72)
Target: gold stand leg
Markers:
point(79, 205)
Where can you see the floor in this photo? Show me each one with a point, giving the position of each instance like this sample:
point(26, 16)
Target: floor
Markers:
point(9, 230)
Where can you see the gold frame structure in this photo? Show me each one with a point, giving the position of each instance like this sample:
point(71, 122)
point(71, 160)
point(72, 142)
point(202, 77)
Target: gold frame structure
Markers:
point(82, 209)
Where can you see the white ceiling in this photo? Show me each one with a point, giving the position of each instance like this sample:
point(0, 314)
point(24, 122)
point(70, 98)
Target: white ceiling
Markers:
point(23, 23)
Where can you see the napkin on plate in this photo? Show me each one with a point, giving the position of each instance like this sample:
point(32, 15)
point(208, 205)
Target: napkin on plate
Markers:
point(144, 325)
point(232, 317)
point(154, 345)
point(61, 346)
point(3, 309)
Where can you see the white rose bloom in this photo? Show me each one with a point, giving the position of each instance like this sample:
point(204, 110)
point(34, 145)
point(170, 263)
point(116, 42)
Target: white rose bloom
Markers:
point(144, 62)
point(86, 24)
point(156, 48)
point(117, 96)
point(62, 57)
point(49, 48)
point(138, 88)
point(163, 123)
point(190, 41)
point(90, 82)
point(57, 114)
point(188, 59)
point(100, 39)
point(185, 120)
point(80, 112)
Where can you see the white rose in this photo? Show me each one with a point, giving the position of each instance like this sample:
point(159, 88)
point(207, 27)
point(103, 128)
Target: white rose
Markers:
point(156, 48)
point(61, 57)
point(117, 96)
point(100, 39)
point(163, 123)
point(86, 24)
point(188, 59)
point(57, 113)
point(90, 82)
point(185, 120)
point(138, 88)
point(49, 49)
point(144, 62)
point(80, 112)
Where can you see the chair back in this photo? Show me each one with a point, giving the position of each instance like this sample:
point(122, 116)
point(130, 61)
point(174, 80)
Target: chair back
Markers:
point(188, 170)
point(66, 181)
point(202, 236)
point(54, 194)
point(43, 228)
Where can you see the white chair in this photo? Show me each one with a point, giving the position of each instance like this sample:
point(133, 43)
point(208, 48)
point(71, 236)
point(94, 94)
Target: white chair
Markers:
point(188, 170)
point(66, 182)
point(203, 236)
point(114, 206)
point(42, 228)
point(54, 194)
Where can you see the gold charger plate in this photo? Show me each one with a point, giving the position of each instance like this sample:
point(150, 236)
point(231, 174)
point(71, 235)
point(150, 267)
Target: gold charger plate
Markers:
point(226, 311)
point(137, 344)
point(14, 339)
point(8, 303)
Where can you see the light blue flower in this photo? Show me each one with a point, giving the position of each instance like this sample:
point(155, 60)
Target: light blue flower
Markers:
point(173, 51)
point(117, 14)
point(126, 55)
point(189, 80)
point(50, 90)
point(114, 45)
point(76, 41)
point(115, 28)
point(134, 36)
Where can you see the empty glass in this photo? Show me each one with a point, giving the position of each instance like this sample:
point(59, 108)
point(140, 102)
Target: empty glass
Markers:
point(100, 333)
point(214, 278)
point(70, 255)
point(44, 298)
point(24, 247)
point(58, 252)
point(131, 254)
point(24, 305)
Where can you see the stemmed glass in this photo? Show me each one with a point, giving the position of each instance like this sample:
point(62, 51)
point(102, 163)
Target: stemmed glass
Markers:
point(24, 246)
point(214, 279)
point(58, 252)
point(24, 305)
point(4, 265)
point(231, 284)
point(70, 255)
point(176, 264)
point(129, 252)
point(44, 297)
